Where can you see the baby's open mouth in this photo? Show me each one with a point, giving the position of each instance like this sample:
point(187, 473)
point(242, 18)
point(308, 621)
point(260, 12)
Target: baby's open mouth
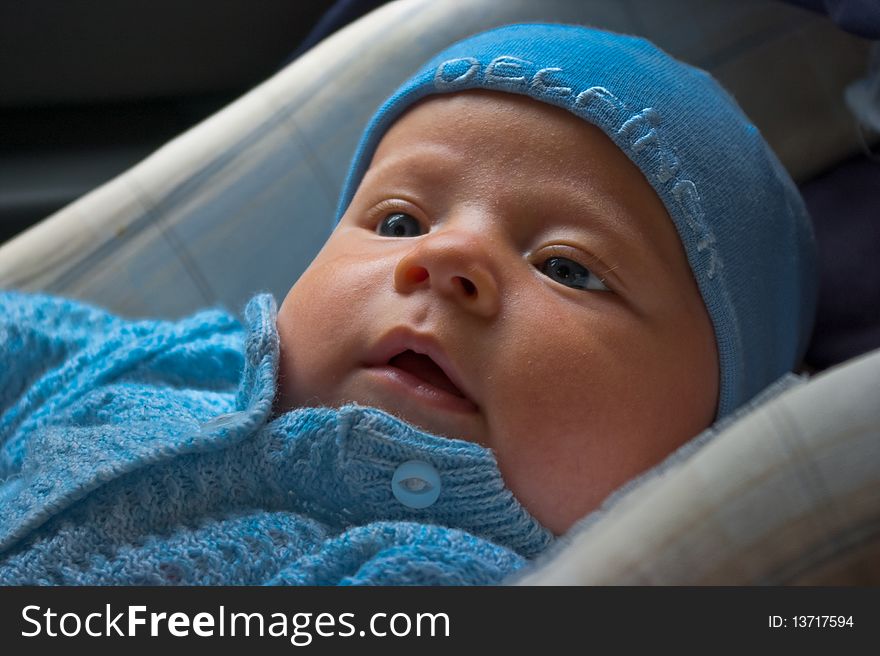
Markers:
point(423, 367)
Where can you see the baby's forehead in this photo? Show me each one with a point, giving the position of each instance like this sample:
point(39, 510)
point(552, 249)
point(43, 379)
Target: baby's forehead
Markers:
point(495, 129)
point(504, 140)
point(532, 166)
point(484, 115)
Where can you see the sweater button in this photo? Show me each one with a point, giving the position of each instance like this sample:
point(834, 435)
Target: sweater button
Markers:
point(416, 484)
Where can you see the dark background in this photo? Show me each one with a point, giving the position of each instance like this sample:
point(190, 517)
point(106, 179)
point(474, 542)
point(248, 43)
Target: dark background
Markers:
point(90, 87)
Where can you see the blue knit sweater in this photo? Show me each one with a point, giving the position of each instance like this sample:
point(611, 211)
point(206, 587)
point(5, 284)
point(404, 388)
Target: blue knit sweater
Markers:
point(145, 452)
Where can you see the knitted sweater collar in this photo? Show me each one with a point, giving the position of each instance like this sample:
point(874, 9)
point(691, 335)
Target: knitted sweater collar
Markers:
point(353, 453)
point(335, 466)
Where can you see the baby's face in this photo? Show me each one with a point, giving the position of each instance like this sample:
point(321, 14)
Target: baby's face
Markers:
point(505, 275)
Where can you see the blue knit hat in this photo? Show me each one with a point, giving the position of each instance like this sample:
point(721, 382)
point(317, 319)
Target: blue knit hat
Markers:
point(744, 227)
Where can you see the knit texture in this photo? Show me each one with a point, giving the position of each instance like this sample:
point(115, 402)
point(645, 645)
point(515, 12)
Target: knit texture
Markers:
point(744, 227)
point(144, 452)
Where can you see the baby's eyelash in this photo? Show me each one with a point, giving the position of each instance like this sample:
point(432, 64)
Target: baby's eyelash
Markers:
point(602, 275)
point(388, 206)
point(595, 265)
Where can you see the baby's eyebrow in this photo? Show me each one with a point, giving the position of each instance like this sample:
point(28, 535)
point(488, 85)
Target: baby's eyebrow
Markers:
point(427, 161)
point(607, 217)
point(605, 220)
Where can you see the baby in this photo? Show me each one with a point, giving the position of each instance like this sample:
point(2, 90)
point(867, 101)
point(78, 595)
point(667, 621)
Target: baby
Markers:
point(563, 246)
point(560, 255)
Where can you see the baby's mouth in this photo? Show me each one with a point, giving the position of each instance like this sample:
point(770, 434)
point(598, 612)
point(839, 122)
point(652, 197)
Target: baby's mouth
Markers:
point(423, 367)
point(417, 376)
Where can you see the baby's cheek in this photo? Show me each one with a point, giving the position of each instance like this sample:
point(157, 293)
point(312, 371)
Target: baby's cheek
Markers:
point(324, 322)
point(304, 324)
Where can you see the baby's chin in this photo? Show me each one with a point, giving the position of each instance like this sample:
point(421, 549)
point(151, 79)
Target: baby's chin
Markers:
point(456, 423)
point(467, 427)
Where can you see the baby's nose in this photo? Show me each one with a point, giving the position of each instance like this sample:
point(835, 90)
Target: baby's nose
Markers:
point(455, 264)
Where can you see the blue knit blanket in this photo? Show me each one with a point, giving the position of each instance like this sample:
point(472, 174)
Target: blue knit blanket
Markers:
point(145, 452)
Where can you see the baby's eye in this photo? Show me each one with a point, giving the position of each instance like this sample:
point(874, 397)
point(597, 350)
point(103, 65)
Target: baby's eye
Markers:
point(570, 273)
point(399, 225)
